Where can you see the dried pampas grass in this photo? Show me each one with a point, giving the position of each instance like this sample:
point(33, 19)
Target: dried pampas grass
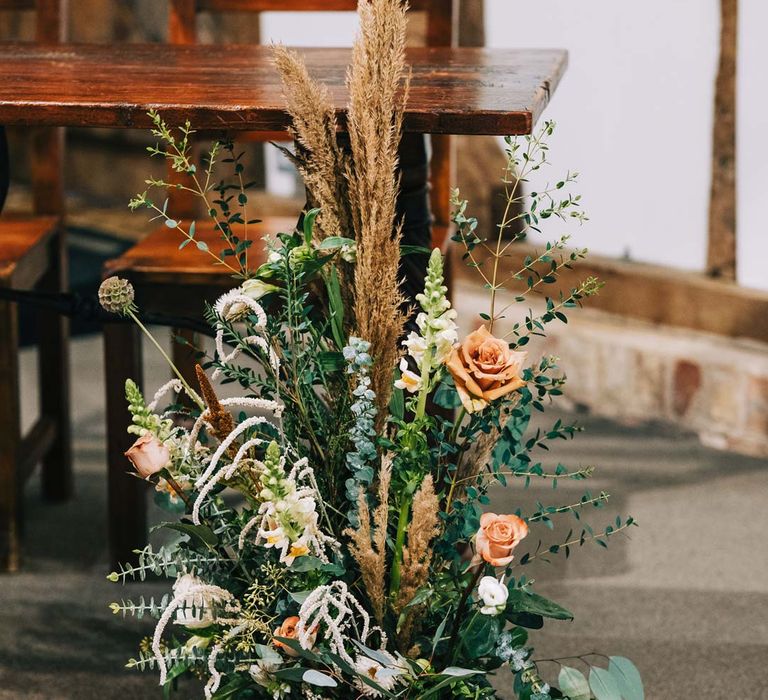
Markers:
point(319, 158)
point(378, 87)
point(369, 546)
point(417, 555)
point(357, 192)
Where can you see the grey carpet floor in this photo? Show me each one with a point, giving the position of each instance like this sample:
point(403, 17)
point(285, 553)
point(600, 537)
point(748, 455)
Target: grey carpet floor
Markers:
point(685, 596)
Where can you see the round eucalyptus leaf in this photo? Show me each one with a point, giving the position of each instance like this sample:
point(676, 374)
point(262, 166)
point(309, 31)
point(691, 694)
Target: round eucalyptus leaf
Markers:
point(573, 683)
point(603, 684)
point(316, 678)
point(627, 678)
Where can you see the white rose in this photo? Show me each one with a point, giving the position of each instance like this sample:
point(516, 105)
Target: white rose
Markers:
point(493, 594)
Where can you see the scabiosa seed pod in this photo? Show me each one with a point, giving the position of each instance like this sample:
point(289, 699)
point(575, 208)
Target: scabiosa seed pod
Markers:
point(116, 296)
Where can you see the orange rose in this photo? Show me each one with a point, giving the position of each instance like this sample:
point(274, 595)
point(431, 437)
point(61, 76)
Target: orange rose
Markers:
point(148, 456)
point(289, 630)
point(485, 369)
point(498, 536)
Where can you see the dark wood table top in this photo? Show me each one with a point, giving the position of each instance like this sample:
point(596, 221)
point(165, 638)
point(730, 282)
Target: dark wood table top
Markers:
point(456, 91)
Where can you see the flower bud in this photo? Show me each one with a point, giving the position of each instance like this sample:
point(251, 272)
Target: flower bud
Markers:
point(116, 296)
point(148, 456)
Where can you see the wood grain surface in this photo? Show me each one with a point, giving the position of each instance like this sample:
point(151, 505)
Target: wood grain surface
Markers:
point(457, 91)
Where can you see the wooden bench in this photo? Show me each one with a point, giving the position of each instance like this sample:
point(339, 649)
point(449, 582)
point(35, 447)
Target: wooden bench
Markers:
point(32, 255)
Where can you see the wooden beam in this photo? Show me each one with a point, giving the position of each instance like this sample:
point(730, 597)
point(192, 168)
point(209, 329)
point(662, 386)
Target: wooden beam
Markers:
point(35, 445)
point(721, 250)
point(472, 23)
point(656, 294)
point(17, 4)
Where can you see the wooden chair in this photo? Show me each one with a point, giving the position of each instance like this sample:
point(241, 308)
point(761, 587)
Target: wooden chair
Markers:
point(171, 281)
point(32, 255)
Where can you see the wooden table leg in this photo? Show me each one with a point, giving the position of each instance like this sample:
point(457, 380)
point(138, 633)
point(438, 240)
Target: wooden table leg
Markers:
point(127, 506)
point(54, 372)
point(184, 358)
point(10, 439)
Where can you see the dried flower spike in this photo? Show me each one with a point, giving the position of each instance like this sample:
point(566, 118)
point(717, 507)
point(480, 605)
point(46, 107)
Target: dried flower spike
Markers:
point(116, 296)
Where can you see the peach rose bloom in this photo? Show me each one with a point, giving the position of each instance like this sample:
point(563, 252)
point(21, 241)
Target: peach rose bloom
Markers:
point(485, 369)
point(288, 630)
point(498, 536)
point(148, 456)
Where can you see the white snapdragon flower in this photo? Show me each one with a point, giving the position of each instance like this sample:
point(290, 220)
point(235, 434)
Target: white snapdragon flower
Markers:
point(409, 381)
point(494, 595)
point(438, 333)
point(415, 345)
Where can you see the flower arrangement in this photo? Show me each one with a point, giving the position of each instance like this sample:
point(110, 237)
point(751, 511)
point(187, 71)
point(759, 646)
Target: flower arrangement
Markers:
point(334, 539)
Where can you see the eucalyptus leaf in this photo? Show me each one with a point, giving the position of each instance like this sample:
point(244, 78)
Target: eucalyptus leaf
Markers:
point(268, 653)
point(446, 395)
point(627, 678)
point(459, 672)
point(377, 656)
point(573, 683)
point(333, 242)
point(300, 596)
point(306, 563)
point(316, 678)
point(603, 684)
point(199, 533)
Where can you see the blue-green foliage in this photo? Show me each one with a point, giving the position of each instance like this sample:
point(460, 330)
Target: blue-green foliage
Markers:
point(362, 434)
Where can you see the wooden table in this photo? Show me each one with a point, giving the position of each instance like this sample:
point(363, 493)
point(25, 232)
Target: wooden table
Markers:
point(454, 91)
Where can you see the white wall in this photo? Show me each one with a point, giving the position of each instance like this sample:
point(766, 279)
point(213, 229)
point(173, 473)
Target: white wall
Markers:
point(634, 115)
point(752, 171)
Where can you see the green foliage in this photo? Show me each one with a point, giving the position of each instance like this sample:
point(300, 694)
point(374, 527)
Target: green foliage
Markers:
point(297, 349)
point(524, 601)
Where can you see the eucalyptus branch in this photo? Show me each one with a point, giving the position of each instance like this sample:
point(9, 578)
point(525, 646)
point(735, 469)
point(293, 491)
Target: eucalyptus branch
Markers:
point(587, 288)
point(142, 200)
point(584, 473)
point(552, 510)
point(608, 532)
